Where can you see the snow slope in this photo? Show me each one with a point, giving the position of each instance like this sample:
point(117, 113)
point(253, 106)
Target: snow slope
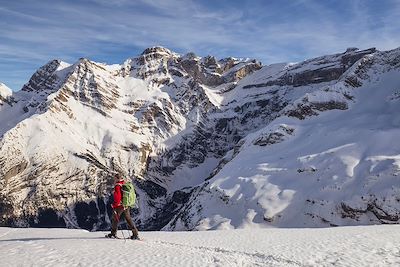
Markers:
point(5, 93)
point(341, 246)
point(338, 168)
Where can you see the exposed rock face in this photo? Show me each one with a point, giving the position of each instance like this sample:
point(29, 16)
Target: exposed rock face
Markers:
point(89, 84)
point(45, 78)
point(318, 70)
point(274, 137)
point(172, 123)
point(157, 64)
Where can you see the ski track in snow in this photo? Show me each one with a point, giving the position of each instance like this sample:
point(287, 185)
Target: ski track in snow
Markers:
point(341, 246)
point(231, 257)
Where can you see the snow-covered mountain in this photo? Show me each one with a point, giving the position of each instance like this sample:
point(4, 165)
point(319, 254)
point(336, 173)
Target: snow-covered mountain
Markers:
point(209, 143)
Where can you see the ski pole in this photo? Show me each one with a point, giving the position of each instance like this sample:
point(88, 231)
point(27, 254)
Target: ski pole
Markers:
point(122, 230)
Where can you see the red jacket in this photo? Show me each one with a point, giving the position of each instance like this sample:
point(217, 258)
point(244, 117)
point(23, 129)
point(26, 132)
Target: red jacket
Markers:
point(117, 195)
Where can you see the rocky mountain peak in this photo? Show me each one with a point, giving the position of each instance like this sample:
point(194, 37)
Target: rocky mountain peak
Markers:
point(47, 77)
point(190, 56)
point(157, 49)
point(351, 49)
point(210, 62)
point(313, 71)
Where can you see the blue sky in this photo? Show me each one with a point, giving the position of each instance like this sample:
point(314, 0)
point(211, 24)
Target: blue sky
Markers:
point(34, 32)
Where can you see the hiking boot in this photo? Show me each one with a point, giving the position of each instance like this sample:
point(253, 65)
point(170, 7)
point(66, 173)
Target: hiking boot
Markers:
point(135, 237)
point(111, 236)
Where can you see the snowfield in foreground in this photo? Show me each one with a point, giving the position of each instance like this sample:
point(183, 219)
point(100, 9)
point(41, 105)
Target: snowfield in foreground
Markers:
point(340, 246)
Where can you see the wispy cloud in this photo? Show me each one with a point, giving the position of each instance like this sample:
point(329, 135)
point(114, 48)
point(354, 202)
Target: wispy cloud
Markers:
point(32, 33)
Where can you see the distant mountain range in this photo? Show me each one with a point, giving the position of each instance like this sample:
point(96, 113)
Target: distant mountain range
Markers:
point(209, 143)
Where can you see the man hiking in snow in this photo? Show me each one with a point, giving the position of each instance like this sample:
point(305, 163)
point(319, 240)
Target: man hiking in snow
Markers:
point(121, 205)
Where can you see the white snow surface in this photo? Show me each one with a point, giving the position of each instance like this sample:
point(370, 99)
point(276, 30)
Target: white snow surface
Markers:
point(4, 90)
point(341, 246)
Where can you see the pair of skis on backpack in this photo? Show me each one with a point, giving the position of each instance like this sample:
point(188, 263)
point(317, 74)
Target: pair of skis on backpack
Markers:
point(111, 236)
